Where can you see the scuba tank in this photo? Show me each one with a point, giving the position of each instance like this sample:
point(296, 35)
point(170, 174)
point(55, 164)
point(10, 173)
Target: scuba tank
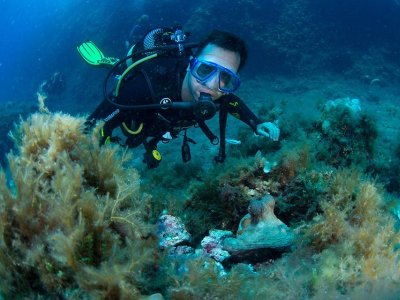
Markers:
point(159, 41)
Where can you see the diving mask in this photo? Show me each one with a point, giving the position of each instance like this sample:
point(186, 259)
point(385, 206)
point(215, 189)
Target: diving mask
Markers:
point(203, 70)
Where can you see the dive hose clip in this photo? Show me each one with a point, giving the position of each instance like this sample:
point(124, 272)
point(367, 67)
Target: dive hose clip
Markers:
point(179, 37)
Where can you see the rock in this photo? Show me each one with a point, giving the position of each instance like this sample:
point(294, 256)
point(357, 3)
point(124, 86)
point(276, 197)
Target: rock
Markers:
point(180, 251)
point(212, 244)
point(156, 296)
point(171, 231)
point(352, 105)
point(261, 235)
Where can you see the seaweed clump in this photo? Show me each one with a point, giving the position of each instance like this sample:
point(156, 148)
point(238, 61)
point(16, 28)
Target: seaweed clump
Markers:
point(354, 237)
point(347, 250)
point(347, 136)
point(222, 199)
point(71, 220)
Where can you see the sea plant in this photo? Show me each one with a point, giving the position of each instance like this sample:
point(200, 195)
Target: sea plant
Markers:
point(71, 218)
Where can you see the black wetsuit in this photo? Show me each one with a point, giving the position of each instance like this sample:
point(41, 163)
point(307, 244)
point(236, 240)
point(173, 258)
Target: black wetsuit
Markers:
point(151, 82)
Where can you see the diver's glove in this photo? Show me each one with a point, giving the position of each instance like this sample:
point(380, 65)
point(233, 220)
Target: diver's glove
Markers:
point(268, 129)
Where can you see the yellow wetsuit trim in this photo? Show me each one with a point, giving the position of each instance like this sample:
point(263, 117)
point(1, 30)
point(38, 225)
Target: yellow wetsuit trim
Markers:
point(131, 131)
point(156, 154)
point(236, 115)
point(130, 68)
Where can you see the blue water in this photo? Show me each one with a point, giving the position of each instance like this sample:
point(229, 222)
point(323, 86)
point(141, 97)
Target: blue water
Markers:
point(38, 38)
point(352, 42)
point(27, 30)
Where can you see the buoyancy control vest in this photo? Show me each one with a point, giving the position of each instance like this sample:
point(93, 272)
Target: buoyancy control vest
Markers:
point(165, 42)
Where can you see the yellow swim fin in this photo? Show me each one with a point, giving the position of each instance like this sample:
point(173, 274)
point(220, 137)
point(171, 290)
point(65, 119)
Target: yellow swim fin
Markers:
point(94, 56)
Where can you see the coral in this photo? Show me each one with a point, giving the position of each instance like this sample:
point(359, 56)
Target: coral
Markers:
point(73, 216)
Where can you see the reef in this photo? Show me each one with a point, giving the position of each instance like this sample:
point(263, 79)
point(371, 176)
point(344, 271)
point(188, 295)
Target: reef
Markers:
point(342, 225)
point(77, 221)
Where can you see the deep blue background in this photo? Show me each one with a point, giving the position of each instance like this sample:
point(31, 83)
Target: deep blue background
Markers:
point(38, 38)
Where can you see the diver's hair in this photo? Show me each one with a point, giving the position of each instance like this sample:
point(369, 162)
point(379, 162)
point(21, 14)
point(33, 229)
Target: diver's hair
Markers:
point(227, 41)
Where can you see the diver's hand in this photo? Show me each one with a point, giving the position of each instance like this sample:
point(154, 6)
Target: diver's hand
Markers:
point(268, 129)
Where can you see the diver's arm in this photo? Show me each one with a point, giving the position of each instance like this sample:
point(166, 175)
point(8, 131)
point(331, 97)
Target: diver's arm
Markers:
point(107, 112)
point(237, 108)
point(104, 109)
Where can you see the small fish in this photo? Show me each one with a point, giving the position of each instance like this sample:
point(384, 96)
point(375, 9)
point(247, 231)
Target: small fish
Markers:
point(233, 142)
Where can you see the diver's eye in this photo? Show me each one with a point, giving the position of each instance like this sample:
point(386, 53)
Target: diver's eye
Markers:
point(225, 78)
point(205, 70)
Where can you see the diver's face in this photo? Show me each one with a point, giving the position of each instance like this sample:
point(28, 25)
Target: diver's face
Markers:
point(220, 56)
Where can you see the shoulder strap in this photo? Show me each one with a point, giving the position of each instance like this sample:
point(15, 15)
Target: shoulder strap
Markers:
point(161, 40)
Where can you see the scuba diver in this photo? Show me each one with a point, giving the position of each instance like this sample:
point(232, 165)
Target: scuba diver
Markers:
point(165, 86)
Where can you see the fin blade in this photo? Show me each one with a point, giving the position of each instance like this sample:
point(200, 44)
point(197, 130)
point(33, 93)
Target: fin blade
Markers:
point(90, 53)
point(94, 56)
